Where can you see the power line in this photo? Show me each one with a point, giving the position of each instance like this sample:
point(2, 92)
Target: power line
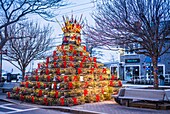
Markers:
point(82, 9)
point(79, 5)
point(79, 10)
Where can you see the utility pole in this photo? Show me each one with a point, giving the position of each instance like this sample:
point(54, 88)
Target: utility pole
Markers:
point(1, 52)
point(0, 67)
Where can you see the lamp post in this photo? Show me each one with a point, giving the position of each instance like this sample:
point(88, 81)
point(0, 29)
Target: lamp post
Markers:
point(1, 52)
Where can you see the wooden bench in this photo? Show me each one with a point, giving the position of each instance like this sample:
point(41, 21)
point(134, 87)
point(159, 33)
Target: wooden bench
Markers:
point(154, 96)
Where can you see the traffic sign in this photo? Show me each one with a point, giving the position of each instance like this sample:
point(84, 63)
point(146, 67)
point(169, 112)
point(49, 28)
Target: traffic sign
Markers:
point(149, 60)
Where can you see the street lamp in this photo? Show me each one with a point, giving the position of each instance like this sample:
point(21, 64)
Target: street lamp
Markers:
point(1, 52)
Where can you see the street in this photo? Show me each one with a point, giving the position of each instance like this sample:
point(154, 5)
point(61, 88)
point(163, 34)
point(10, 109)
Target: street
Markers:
point(9, 108)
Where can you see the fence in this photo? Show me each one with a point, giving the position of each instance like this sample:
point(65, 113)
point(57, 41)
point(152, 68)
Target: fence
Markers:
point(149, 80)
point(167, 79)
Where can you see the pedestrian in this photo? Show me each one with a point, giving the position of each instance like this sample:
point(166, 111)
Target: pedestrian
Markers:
point(161, 77)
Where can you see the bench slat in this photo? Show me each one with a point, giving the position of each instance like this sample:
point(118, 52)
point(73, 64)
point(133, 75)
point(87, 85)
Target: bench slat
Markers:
point(136, 98)
point(144, 94)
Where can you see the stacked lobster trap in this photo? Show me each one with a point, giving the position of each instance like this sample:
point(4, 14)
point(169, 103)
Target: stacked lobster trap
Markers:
point(69, 76)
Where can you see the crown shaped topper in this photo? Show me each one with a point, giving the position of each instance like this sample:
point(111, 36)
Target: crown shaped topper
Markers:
point(72, 25)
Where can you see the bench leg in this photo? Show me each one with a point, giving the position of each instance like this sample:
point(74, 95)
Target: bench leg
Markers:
point(157, 107)
point(121, 101)
point(117, 100)
point(3, 90)
point(127, 103)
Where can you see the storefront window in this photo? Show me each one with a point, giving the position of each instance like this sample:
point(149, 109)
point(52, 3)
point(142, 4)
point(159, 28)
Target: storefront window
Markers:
point(114, 70)
point(132, 72)
point(150, 71)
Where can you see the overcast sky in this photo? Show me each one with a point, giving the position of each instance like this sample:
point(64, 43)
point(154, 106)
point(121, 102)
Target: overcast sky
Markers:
point(78, 7)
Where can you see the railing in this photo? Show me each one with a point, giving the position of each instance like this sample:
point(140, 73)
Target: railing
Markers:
point(167, 79)
point(149, 80)
point(142, 80)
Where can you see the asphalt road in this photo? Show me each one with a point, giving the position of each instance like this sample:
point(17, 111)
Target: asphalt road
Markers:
point(9, 108)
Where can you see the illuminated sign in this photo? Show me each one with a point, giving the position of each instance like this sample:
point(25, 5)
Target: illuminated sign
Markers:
point(132, 60)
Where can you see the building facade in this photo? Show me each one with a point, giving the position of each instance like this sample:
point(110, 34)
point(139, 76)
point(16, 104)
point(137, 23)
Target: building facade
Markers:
point(132, 66)
point(139, 67)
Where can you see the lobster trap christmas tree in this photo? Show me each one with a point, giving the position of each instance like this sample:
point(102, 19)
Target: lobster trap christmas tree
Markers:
point(69, 76)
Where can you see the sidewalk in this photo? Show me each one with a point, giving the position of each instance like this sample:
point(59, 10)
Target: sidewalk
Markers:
point(105, 107)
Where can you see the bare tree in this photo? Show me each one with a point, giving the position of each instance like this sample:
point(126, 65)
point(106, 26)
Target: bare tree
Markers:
point(90, 45)
point(142, 22)
point(12, 11)
point(36, 42)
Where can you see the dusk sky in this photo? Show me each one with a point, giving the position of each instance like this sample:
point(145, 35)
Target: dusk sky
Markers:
point(77, 8)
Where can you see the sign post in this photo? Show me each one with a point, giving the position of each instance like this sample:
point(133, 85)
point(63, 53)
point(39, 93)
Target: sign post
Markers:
point(149, 61)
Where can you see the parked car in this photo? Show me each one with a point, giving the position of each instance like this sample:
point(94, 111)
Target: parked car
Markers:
point(4, 77)
point(13, 77)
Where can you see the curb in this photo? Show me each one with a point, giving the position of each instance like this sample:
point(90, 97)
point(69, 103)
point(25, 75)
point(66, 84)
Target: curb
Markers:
point(60, 108)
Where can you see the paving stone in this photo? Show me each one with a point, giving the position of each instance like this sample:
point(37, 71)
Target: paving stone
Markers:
point(105, 107)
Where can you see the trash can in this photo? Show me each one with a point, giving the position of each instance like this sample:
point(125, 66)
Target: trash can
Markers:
point(8, 77)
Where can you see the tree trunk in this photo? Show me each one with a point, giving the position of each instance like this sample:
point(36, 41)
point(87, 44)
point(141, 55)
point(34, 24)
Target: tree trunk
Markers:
point(155, 71)
point(23, 73)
